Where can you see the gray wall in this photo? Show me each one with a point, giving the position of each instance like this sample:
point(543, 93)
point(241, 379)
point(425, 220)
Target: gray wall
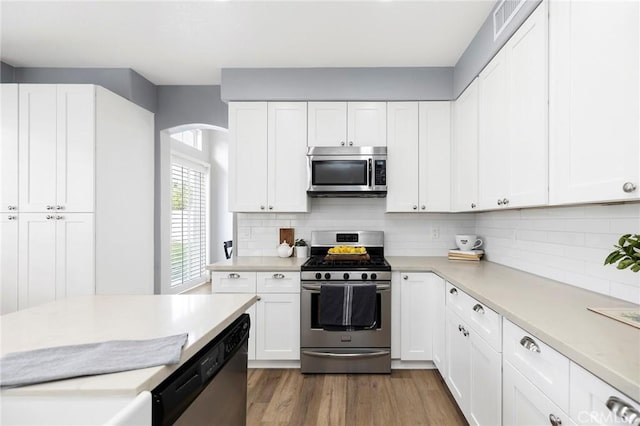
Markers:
point(123, 81)
point(337, 84)
point(7, 73)
point(483, 48)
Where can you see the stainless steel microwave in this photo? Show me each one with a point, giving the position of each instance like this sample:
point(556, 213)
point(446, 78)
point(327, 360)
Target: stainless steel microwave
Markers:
point(349, 171)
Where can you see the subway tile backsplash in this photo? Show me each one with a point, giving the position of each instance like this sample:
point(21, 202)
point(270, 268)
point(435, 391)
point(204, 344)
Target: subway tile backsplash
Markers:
point(568, 244)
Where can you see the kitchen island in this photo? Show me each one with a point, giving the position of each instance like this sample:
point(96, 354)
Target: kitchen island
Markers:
point(90, 319)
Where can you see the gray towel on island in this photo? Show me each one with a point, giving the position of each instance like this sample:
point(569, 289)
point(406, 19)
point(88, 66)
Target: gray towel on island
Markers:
point(65, 362)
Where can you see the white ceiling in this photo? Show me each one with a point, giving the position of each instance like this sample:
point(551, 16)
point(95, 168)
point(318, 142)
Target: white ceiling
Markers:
point(179, 42)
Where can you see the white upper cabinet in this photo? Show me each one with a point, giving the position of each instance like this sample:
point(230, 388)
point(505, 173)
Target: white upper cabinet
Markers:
point(347, 124)
point(9, 148)
point(248, 156)
point(594, 61)
point(267, 167)
point(367, 123)
point(287, 147)
point(464, 164)
point(418, 156)
point(56, 147)
point(513, 146)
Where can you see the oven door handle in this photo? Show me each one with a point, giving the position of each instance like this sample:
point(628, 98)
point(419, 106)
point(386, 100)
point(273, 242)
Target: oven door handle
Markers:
point(350, 355)
point(316, 287)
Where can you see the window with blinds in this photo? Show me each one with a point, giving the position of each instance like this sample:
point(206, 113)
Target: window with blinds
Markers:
point(188, 223)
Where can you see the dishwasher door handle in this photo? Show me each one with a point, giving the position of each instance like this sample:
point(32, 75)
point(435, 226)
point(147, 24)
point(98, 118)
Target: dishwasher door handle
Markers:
point(346, 355)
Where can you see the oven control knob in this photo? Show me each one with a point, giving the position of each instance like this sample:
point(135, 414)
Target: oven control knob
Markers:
point(364, 276)
point(345, 276)
point(318, 276)
point(374, 276)
point(327, 276)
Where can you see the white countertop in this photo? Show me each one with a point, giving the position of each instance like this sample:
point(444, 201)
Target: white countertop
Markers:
point(92, 319)
point(554, 312)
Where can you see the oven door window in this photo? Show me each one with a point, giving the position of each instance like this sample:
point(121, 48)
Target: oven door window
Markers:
point(315, 315)
point(339, 173)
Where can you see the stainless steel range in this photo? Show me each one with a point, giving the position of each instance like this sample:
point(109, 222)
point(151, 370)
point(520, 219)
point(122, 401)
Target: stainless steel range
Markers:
point(345, 349)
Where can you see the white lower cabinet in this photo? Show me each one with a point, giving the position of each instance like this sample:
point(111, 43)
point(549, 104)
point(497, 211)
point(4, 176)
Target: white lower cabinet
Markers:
point(439, 325)
point(9, 263)
point(525, 405)
point(458, 361)
point(275, 318)
point(416, 317)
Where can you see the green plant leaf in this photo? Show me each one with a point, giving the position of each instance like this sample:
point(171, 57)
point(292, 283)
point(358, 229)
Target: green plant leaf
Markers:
point(623, 238)
point(625, 263)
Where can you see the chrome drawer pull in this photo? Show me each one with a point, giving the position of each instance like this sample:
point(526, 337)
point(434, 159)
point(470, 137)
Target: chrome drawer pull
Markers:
point(346, 355)
point(530, 344)
point(453, 291)
point(234, 276)
point(621, 409)
point(278, 276)
point(554, 420)
point(478, 308)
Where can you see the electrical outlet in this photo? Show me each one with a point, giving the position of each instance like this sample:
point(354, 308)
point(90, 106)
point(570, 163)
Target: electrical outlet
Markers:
point(435, 232)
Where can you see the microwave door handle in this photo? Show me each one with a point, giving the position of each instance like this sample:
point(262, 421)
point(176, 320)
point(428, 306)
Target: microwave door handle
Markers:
point(370, 171)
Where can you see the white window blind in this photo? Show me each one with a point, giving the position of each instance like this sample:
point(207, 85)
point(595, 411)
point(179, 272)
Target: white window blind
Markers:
point(188, 222)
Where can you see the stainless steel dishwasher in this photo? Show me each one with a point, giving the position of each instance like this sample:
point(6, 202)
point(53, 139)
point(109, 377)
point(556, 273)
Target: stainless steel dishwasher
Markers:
point(210, 388)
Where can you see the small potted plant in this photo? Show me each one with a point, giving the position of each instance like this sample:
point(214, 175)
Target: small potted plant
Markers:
point(302, 250)
point(627, 253)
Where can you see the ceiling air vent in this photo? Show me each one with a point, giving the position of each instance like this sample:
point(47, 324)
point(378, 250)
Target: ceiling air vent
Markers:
point(503, 14)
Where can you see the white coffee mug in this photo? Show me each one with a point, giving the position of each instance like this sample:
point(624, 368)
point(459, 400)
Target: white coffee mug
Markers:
point(468, 242)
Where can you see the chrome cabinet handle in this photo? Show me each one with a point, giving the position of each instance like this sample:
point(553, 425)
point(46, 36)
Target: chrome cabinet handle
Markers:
point(530, 344)
point(12, 207)
point(629, 187)
point(459, 327)
point(59, 207)
point(406, 277)
point(342, 143)
point(350, 356)
point(261, 207)
point(278, 276)
point(258, 298)
point(414, 207)
point(478, 308)
point(554, 420)
point(12, 217)
point(453, 291)
point(473, 205)
point(234, 276)
point(49, 216)
point(270, 207)
point(499, 202)
point(49, 207)
point(465, 333)
point(59, 217)
point(423, 207)
point(505, 201)
point(621, 409)
point(351, 143)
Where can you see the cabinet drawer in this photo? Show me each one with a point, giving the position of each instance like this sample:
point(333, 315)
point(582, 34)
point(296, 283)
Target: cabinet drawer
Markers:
point(486, 322)
point(233, 282)
point(539, 363)
point(590, 398)
point(523, 404)
point(278, 282)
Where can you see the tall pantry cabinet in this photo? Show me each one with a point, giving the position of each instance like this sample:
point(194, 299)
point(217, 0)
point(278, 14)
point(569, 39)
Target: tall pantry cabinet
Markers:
point(77, 194)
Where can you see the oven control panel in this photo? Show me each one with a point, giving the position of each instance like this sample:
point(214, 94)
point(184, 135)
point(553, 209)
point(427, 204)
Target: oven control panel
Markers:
point(345, 276)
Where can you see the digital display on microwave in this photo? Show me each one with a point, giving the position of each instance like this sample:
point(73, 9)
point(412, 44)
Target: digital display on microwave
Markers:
point(339, 172)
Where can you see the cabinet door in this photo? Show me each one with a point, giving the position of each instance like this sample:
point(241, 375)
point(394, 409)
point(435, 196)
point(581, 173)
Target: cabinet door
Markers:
point(458, 368)
point(75, 248)
point(402, 157)
point(278, 327)
point(439, 323)
point(594, 127)
point(416, 317)
point(396, 325)
point(233, 282)
point(435, 157)
point(287, 147)
point(278, 282)
point(248, 156)
point(75, 147)
point(327, 124)
point(527, 113)
point(9, 263)
point(37, 147)
point(252, 333)
point(485, 386)
point(36, 259)
point(9, 147)
point(367, 123)
point(524, 405)
point(493, 145)
point(465, 150)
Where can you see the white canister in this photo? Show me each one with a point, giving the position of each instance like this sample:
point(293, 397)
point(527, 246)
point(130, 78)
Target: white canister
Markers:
point(302, 251)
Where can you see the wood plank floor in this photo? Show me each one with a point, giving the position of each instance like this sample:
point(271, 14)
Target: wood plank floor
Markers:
point(406, 397)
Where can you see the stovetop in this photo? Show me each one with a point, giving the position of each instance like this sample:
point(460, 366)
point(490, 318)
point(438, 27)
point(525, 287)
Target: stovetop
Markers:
point(319, 263)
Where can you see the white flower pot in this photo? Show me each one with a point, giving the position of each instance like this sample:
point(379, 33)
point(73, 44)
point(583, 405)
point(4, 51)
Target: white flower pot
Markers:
point(302, 251)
